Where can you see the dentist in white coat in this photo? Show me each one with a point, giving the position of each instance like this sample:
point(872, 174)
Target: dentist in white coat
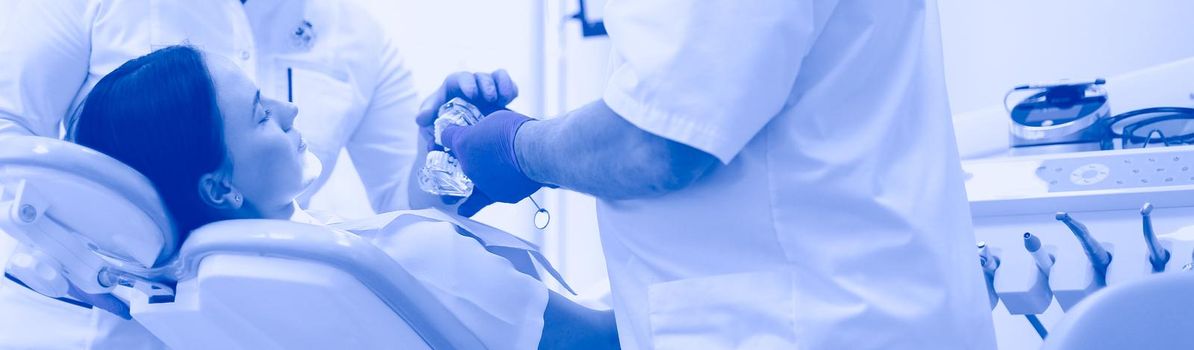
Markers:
point(772, 174)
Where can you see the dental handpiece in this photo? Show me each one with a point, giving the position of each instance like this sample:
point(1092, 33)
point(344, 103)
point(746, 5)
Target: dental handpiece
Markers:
point(988, 261)
point(1043, 259)
point(1099, 257)
point(1157, 255)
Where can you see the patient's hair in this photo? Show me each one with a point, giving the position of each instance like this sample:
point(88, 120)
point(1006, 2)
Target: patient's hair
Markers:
point(158, 115)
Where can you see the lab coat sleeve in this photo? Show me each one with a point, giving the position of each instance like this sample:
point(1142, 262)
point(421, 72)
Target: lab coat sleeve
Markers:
point(706, 73)
point(44, 55)
point(383, 145)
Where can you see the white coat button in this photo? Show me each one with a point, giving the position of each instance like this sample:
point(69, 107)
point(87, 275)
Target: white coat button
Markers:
point(244, 55)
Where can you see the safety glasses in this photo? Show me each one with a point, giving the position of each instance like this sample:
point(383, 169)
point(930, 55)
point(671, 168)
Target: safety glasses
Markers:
point(1159, 126)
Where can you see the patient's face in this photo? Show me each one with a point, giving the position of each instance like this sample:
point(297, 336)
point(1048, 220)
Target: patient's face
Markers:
point(266, 152)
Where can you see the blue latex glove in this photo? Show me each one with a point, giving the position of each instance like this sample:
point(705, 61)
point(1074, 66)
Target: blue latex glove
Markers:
point(486, 154)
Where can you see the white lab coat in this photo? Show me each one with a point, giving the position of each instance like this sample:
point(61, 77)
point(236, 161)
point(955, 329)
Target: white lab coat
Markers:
point(348, 80)
point(838, 219)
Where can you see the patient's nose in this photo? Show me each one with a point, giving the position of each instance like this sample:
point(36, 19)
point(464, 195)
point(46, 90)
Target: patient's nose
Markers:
point(286, 112)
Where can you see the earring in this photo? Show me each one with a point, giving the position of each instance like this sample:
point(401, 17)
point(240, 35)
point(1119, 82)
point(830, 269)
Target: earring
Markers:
point(237, 199)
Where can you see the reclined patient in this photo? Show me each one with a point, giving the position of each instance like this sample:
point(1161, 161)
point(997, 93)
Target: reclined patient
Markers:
point(215, 149)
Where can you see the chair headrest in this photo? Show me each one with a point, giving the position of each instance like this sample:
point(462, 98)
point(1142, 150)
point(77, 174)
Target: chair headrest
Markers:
point(1149, 313)
point(105, 202)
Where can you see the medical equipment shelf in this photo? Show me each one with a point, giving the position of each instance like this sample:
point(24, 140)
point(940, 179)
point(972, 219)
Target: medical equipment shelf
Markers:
point(1082, 181)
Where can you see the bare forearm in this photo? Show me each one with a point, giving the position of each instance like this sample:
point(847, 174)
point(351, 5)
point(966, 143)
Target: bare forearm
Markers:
point(595, 151)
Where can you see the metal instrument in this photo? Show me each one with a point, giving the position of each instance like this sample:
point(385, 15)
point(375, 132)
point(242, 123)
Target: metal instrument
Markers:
point(1157, 255)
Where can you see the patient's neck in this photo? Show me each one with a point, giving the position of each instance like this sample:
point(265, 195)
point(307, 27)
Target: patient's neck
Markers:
point(276, 213)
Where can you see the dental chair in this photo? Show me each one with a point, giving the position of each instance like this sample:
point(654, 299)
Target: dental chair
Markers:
point(1153, 313)
point(94, 233)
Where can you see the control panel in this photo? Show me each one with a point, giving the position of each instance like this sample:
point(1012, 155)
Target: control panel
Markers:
point(1084, 181)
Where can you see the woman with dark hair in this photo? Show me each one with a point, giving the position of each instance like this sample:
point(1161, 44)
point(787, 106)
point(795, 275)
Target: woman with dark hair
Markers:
point(212, 146)
point(215, 149)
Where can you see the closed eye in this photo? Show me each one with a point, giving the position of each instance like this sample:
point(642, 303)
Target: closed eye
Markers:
point(266, 113)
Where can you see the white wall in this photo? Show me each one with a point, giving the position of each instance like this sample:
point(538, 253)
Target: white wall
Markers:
point(991, 46)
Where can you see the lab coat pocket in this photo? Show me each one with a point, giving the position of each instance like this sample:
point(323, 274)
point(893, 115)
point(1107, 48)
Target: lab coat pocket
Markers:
point(753, 310)
point(329, 107)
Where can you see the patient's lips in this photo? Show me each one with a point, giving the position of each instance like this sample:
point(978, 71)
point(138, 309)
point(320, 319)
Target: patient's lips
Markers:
point(302, 147)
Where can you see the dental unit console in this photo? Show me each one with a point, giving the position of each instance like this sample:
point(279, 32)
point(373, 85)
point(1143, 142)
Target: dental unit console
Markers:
point(1067, 226)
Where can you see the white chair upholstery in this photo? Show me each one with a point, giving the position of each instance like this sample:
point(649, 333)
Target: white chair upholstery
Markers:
point(1151, 313)
point(236, 284)
point(279, 284)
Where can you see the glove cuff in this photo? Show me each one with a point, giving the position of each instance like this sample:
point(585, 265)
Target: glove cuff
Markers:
point(503, 179)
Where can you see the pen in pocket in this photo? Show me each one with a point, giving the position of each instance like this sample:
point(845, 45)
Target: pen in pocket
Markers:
point(289, 85)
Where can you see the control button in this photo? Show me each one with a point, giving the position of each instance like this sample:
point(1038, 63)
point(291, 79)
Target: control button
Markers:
point(1089, 174)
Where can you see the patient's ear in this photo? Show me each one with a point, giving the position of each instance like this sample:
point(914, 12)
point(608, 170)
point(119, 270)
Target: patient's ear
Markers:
point(215, 188)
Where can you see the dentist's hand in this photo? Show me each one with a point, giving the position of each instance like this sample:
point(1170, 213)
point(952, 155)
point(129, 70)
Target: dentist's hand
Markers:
point(488, 91)
point(486, 154)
